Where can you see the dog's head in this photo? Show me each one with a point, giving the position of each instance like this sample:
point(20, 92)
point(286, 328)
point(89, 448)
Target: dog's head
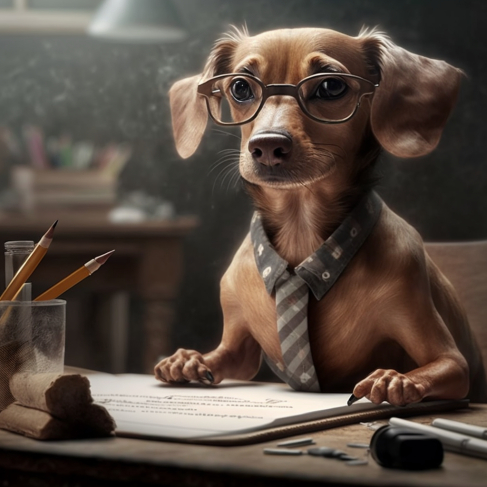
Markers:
point(358, 92)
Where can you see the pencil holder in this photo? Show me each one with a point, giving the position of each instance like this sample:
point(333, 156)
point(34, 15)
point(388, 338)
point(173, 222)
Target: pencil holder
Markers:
point(32, 338)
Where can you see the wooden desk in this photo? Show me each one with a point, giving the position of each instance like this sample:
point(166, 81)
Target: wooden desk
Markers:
point(123, 461)
point(147, 263)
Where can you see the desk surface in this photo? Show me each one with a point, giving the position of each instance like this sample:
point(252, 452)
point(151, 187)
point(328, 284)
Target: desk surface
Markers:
point(123, 461)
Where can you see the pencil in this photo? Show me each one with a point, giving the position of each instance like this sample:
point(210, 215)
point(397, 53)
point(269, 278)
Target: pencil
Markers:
point(29, 265)
point(77, 276)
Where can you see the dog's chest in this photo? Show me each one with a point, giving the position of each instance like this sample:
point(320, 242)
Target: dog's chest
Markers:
point(334, 330)
point(343, 328)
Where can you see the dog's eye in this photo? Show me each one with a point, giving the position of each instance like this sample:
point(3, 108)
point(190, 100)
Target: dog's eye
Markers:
point(331, 88)
point(241, 90)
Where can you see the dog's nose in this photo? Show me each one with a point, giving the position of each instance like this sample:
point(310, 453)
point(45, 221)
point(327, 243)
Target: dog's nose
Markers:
point(270, 149)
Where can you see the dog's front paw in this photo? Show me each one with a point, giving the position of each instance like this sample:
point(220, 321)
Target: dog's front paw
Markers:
point(184, 366)
point(391, 386)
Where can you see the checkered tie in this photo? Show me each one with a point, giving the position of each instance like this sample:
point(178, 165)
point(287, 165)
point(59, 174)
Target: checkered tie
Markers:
point(292, 324)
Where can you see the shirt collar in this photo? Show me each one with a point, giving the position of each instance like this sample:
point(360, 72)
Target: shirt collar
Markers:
point(320, 270)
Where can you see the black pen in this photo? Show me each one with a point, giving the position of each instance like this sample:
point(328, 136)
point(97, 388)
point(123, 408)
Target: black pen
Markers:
point(352, 399)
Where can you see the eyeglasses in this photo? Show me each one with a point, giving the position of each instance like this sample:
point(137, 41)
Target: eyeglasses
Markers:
point(235, 99)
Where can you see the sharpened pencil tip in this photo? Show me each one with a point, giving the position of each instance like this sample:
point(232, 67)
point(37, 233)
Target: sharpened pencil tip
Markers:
point(50, 232)
point(101, 259)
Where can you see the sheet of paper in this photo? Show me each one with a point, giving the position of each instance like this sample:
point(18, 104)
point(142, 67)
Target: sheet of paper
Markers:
point(142, 406)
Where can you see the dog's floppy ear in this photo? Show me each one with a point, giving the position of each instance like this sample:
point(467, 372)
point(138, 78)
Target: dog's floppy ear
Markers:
point(189, 115)
point(188, 108)
point(413, 102)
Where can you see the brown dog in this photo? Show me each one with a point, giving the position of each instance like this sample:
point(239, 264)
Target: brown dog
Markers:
point(390, 328)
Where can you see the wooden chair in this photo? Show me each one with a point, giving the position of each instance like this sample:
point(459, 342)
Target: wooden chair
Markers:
point(465, 265)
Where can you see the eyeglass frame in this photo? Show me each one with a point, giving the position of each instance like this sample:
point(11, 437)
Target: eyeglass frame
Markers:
point(283, 89)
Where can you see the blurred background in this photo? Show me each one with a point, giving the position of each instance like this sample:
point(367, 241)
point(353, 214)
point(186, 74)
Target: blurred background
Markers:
point(85, 136)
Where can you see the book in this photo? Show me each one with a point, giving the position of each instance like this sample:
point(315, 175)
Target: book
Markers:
point(233, 412)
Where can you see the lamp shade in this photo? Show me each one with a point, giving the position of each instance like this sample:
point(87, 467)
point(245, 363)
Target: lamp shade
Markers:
point(142, 21)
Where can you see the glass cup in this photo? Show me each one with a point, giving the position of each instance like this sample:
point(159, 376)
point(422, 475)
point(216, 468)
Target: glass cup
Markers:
point(32, 338)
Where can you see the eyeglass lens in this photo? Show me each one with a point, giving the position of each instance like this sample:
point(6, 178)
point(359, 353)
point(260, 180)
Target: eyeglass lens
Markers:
point(236, 99)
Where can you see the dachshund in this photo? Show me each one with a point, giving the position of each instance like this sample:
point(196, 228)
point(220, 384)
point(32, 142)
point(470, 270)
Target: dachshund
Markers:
point(316, 108)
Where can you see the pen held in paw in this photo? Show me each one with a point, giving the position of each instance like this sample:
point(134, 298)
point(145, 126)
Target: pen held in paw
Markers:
point(352, 399)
